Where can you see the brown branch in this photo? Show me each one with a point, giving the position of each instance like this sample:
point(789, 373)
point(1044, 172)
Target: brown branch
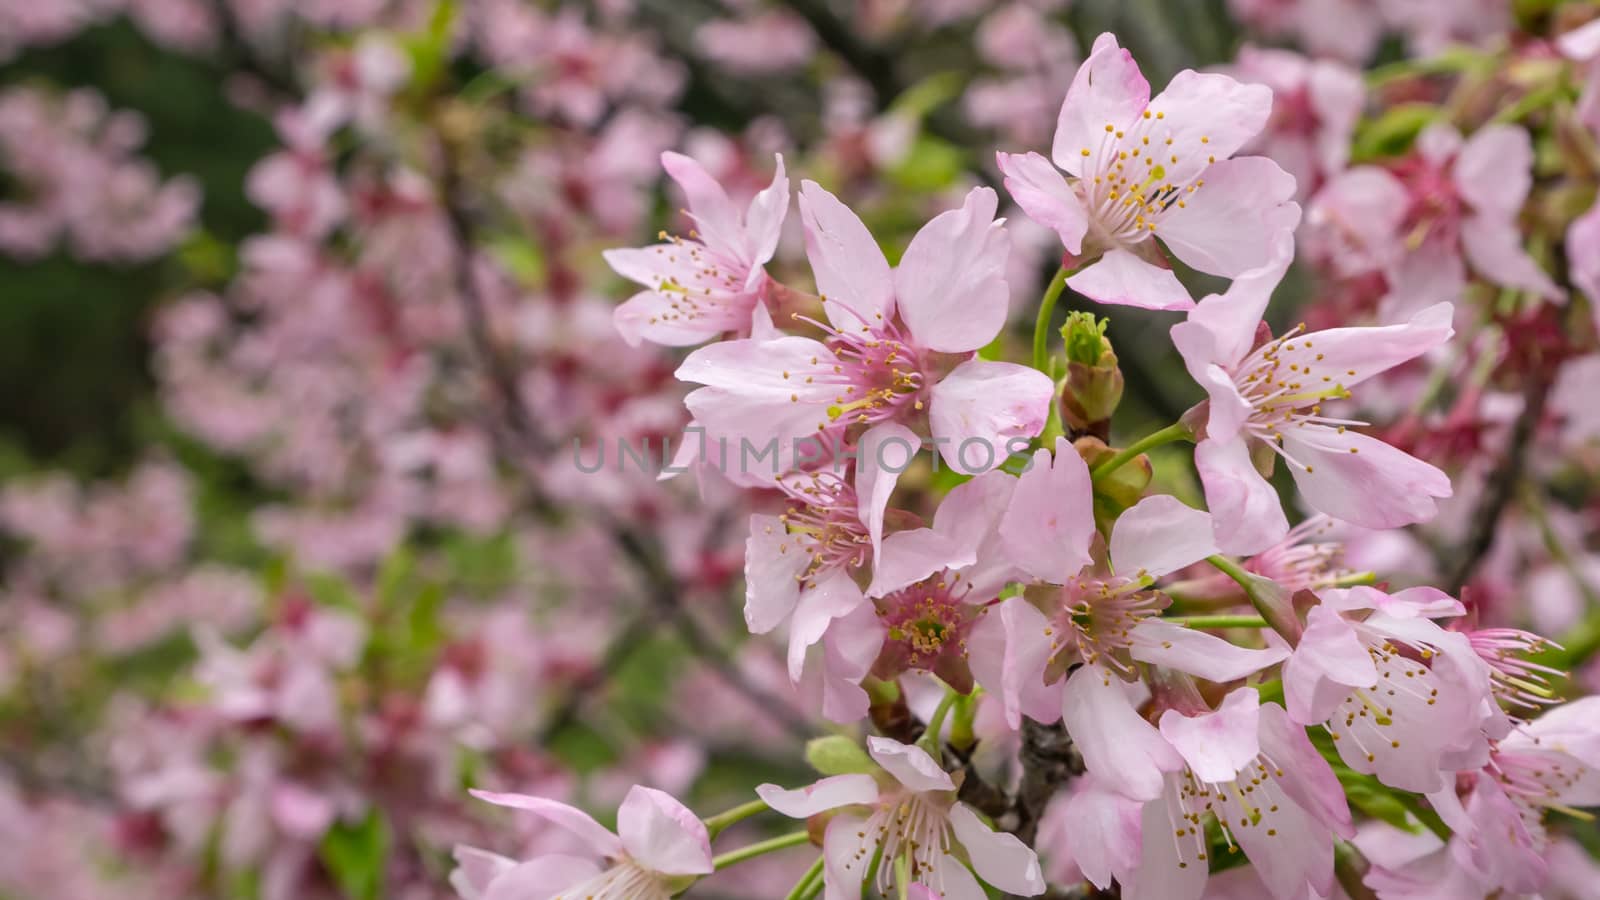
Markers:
point(1501, 486)
point(1049, 761)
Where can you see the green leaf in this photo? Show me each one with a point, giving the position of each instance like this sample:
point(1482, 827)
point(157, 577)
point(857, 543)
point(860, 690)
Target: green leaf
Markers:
point(931, 164)
point(838, 755)
point(1367, 795)
point(355, 855)
point(1392, 133)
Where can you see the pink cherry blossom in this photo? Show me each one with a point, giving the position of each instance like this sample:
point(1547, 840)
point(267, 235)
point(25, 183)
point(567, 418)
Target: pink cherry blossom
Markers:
point(712, 282)
point(1246, 765)
point(911, 812)
point(1315, 105)
point(1094, 607)
point(658, 842)
point(1267, 398)
point(929, 588)
point(1405, 697)
point(1551, 763)
point(1157, 167)
point(1420, 222)
point(900, 345)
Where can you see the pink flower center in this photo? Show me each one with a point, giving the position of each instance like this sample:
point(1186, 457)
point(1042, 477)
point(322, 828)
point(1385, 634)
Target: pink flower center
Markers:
point(1255, 799)
point(928, 621)
point(624, 881)
point(1536, 781)
point(878, 371)
point(1367, 716)
point(1517, 681)
point(1285, 384)
point(917, 827)
point(1097, 616)
point(826, 522)
point(704, 282)
point(1436, 209)
point(1125, 185)
point(1297, 563)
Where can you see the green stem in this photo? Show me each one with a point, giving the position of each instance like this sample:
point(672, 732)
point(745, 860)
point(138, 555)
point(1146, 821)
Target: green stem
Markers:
point(966, 710)
point(1231, 569)
point(1177, 431)
point(902, 876)
point(930, 737)
point(720, 821)
point(1047, 312)
point(762, 848)
point(1353, 579)
point(1269, 599)
point(808, 883)
point(1218, 621)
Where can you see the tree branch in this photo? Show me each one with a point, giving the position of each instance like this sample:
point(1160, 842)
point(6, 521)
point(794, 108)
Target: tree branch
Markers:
point(1501, 487)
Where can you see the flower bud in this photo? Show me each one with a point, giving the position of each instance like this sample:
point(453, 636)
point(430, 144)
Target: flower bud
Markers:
point(1094, 383)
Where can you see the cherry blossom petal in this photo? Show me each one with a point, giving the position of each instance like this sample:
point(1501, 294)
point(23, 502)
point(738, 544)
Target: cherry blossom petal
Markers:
point(1309, 780)
point(542, 878)
point(826, 794)
point(1037, 187)
point(1122, 278)
point(988, 408)
point(847, 850)
point(1361, 479)
point(1233, 316)
point(1232, 224)
point(773, 563)
point(1198, 653)
point(831, 597)
point(1050, 522)
point(1102, 830)
point(1119, 747)
point(1350, 356)
point(1107, 90)
point(1007, 650)
point(1158, 535)
point(852, 274)
point(999, 858)
point(1208, 116)
point(715, 217)
point(1494, 170)
point(907, 557)
point(909, 764)
point(651, 316)
point(950, 286)
point(884, 451)
point(848, 652)
point(1583, 255)
point(1228, 410)
point(1244, 508)
point(1494, 247)
point(1329, 660)
point(1217, 745)
point(591, 833)
point(476, 869)
point(662, 834)
point(764, 219)
point(1337, 95)
point(955, 880)
point(1163, 873)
